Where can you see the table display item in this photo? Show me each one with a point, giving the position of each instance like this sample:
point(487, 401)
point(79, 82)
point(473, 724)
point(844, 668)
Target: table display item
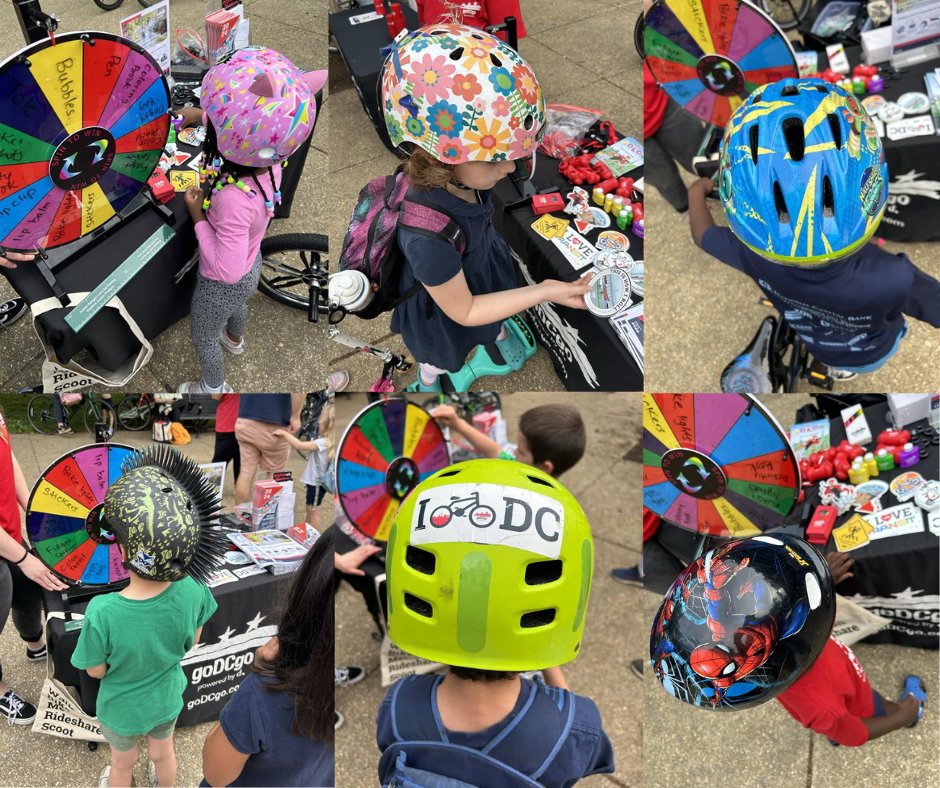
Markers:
point(609, 293)
point(820, 524)
point(270, 549)
point(64, 515)
point(717, 464)
point(927, 496)
point(387, 449)
point(84, 123)
point(708, 57)
point(905, 485)
point(914, 103)
point(910, 455)
point(856, 426)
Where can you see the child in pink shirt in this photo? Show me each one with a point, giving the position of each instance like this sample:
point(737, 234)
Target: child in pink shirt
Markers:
point(258, 109)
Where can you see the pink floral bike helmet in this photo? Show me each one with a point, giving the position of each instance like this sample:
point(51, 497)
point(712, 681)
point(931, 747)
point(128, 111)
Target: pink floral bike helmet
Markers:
point(261, 106)
point(462, 95)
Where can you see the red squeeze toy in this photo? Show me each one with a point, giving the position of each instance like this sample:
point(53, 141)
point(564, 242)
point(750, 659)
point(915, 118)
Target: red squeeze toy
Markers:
point(819, 472)
point(893, 438)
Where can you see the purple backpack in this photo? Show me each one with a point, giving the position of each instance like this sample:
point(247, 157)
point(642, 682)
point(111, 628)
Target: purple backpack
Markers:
point(371, 243)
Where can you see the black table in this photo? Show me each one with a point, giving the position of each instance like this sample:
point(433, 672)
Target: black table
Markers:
point(247, 617)
point(913, 205)
point(586, 350)
point(893, 574)
point(360, 44)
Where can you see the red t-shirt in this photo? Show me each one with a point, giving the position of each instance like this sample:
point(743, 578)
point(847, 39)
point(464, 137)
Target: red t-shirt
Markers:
point(9, 508)
point(832, 697)
point(654, 103)
point(226, 413)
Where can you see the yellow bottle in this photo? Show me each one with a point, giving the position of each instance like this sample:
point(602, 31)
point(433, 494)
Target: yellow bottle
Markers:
point(871, 464)
point(858, 473)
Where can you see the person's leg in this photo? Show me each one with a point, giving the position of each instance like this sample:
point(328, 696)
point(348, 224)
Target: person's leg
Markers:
point(164, 759)
point(250, 459)
point(680, 135)
point(275, 451)
point(27, 609)
point(311, 507)
point(6, 600)
point(663, 175)
point(122, 767)
point(226, 450)
point(211, 307)
point(244, 287)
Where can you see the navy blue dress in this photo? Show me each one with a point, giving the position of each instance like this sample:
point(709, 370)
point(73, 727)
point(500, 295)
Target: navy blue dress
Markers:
point(431, 336)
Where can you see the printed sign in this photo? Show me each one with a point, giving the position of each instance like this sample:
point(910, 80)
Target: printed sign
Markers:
point(549, 226)
point(576, 248)
point(896, 521)
point(852, 535)
point(489, 514)
point(182, 180)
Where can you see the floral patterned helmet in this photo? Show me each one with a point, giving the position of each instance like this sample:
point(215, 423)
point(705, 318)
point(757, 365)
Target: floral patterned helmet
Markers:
point(462, 95)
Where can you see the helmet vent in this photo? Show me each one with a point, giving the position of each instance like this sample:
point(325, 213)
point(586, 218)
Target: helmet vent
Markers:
point(529, 122)
point(541, 572)
point(790, 90)
point(783, 215)
point(538, 480)
point(796, 141)
point(456, 54)
point(828, 202)
point(753, 133)
point(419, 606)
point(420, 560)
point(836, 130)
point(166, 489)
point(495, 60)
point(537, 618)
point(447, 473)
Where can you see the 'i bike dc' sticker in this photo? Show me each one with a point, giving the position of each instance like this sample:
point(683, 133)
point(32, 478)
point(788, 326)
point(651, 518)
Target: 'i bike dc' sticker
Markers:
point(489, 514)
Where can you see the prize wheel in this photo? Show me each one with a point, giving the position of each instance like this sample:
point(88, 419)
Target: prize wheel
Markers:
point(64, 515)
point(387, 450)
point(709, 55)
point(82, 126)
point(717, 464)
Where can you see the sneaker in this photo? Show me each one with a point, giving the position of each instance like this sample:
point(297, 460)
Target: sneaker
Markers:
point(337, 381)
point(34, 655)
point(636, 666)
point(16, 710)
point(65, 429)
point(630, 576)
point(346, 676)
point(104, 779)
point(841, 375)
point(914, 685)
point(200, 387)
point(235, 348)
point(338, 720)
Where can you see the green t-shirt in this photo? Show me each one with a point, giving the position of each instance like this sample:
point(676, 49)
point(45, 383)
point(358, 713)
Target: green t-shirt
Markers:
point(143, 643)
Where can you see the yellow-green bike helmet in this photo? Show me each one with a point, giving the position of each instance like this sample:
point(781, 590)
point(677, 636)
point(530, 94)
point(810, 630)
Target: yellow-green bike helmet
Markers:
point(489, 566)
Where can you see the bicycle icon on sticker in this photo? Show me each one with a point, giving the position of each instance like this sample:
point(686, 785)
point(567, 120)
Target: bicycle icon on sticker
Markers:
point(470, 507)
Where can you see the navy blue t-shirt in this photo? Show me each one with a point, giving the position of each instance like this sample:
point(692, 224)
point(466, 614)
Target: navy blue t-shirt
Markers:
point(431, 336)
point(585, 751)
point(272, 408)
point(849, 313)
point(258, 723)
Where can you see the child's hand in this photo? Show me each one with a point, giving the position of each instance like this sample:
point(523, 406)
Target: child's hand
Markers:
point(282, 434)
point(192, 116)
point(569, 294)
point(10, 259)
point(193, 198)
point(702, 186)
point(446, 414)
point(839, 565)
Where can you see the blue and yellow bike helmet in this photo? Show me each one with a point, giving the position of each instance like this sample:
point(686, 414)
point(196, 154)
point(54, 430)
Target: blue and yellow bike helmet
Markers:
point(802, 172)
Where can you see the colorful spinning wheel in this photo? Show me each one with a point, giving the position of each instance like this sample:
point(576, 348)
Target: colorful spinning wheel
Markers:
point(82, 125)
point(716, 464)
point(387, 449)
point(64, 515)
point(710, 54)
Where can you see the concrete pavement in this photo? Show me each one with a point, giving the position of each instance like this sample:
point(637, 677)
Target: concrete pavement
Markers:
point(607, 484)
point(281, 351)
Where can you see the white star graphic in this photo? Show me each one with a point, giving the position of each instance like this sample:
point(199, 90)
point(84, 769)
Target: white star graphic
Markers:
point(255, 622)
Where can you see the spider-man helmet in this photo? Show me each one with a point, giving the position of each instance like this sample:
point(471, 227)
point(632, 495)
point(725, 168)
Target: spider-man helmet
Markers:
point(802, 173)
point(743, 622)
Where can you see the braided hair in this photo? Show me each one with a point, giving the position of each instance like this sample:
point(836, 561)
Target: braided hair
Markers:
point(215, 171)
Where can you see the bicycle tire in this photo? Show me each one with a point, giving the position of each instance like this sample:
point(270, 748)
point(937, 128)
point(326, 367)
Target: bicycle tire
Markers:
point(132, 415)
point(285, 281)
point(103, 406)
point(638, 27)
point(40, 413)
point(108, 5)
point(148, 3)
point(786, 17)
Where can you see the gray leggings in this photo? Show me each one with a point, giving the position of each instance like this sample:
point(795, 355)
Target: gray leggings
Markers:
point(216, 306)
point(24, 597)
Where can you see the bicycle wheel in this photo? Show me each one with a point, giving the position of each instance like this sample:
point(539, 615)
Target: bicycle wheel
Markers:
point(134, 412)
point(106, 409)
point(786, 13)
point(108, 5)
point(291, 265)
point(41, 415)
point(147, 3)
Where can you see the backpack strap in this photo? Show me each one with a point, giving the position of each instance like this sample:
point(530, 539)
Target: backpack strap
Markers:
point(424, 218)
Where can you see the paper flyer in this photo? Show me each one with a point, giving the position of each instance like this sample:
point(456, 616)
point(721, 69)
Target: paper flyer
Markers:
point(150, 30)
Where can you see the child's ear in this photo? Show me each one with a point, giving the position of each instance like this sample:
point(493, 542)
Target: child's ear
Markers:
point(548, 466)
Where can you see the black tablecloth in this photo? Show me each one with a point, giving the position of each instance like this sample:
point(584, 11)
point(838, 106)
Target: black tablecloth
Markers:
point(913, 204)
point(897, 577)
point(247, 617)
point(586, 350)
point(360, 45)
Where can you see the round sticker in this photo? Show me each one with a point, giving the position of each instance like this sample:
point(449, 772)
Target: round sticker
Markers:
point(237, 558)
point(611, 258)
point(927, 496)
point(914, 103)
point(601, 217)
point(609, 293)
point(612, 240)
point(636, 277)
point(194, 135)
point(867, 491)
point(890, 111)
point(873, 104)
point(905, 485)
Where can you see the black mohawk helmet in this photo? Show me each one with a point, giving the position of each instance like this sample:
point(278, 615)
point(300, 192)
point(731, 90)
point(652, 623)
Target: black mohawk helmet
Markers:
point(162, 509)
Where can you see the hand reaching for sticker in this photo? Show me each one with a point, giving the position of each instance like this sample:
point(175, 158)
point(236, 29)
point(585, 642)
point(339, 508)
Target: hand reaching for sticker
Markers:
point(839, 565)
